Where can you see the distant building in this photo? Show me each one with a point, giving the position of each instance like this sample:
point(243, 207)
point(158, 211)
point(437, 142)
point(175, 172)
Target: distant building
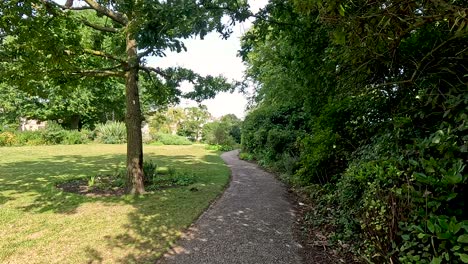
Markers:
point(32, 125)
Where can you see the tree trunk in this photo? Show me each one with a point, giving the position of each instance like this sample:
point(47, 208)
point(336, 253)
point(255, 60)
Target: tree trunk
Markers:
point(75, 122)
point(133, 120)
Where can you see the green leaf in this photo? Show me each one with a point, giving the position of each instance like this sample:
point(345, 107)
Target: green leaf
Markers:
point(463, 238)
point(339, 37)
point(436, 260)
point(464, 258)
point(444, 235)
point(341, 10)
point(454, 227)
point(430, 226)
point(443, 223)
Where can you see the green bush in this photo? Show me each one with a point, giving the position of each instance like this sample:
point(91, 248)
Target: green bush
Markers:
point(168, 139)
point(150, 171)
point(72, 137)
point(402, 202)
point(171, 179)
point(224, 134)
point(221, 147)
point(246, 156)
point(111, 133)
point(53, 133)
point(87, 135)
point(7, 139)
point(30, 138)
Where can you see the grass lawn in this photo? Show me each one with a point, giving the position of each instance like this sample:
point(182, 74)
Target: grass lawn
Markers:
point(41, 224)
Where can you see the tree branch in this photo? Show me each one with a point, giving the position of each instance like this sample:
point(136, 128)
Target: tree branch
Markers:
point(117, 17)
point(63, 7)
point(155, 70)
point(99, 73)
point(99, 54)
point(271, 21)
point(98, 27)
point(145, 53)
point(392, 83)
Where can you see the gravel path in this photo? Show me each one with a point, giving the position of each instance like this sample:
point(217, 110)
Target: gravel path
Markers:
point(250, 223)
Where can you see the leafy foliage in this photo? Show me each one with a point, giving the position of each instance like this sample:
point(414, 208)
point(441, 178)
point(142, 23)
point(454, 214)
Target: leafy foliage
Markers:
point(155, 179)
point(195, 118)
point(224, 134)
point(111, 133)
point(46, 46)
point(168, 139)
point(53, 134)
point(375, 122)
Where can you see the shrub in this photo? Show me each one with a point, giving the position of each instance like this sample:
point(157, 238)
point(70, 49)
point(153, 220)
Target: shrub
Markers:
point(53, 133)
point(150, 171)
point(111, 133)
point(72, 137)
point(221, 147)
point(168, 139)
point(30, 138)
point(172, 178)
point(403, 202)
point(7, 139)
point(218, 133)
point(87, 135)
point(246, 156)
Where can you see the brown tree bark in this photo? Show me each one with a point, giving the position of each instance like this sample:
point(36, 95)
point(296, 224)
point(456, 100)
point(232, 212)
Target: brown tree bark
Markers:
point(133, 120)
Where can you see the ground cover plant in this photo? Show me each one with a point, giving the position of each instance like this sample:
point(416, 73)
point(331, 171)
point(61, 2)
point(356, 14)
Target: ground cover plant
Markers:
point(39, 223)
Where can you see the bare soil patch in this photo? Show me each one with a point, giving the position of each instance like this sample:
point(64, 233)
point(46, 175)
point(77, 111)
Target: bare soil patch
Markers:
point(80, 186)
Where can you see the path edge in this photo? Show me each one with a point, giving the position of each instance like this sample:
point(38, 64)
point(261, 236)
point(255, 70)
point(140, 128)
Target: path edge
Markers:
point(188, 230)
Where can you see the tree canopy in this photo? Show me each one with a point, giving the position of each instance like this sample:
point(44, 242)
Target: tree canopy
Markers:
point(44, 43)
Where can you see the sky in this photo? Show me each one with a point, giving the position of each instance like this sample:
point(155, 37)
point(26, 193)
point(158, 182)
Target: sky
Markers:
point(214, 56)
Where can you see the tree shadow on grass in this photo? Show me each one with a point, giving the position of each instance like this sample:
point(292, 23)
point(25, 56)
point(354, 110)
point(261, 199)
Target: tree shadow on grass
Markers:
point(156, 220)
point(156, 224)
point(39, 178)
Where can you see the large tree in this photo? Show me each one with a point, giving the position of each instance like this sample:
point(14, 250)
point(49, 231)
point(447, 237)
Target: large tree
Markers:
point(83, 106)
point(195, 118)
point(41, 41)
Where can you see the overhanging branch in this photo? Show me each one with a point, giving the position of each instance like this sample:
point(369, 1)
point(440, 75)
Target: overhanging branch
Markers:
point(99, 73)
point(98, 27)
point(98, 54)
point(65, 7)
point(145, 53)
point(117, 17)
point(155, 70)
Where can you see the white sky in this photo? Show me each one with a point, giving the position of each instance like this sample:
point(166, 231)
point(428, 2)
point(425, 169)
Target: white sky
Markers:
point(214, 56)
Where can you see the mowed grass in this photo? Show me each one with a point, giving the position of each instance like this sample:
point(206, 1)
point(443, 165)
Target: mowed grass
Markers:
point(41, 224)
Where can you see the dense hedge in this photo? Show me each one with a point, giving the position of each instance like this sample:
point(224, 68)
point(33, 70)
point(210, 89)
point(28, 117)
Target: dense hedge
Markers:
point(377, 138)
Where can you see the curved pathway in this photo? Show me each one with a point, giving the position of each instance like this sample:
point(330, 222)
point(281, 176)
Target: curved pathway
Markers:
point(250, 223)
